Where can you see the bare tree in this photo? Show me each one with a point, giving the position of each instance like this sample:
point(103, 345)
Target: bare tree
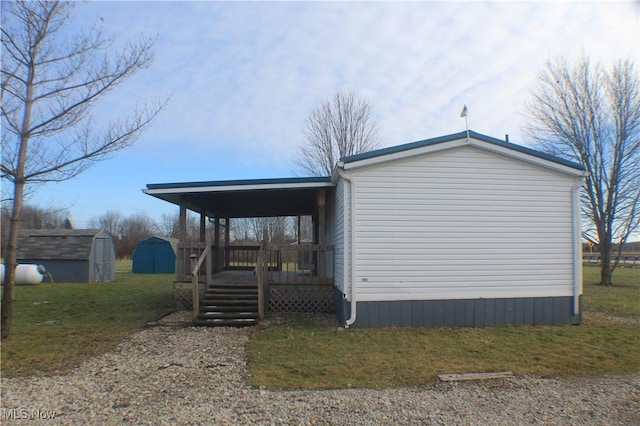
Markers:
point(170, 226)
point(134, 229)
point(35, 217)
point(241, 230)
point(590, 114)
point(274, 229)
point(306, 229)
point(110, 221)
point(49, 83)
point(342, 126)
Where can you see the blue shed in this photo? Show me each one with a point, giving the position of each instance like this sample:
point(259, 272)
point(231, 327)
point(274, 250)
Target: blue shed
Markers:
point(155, 255)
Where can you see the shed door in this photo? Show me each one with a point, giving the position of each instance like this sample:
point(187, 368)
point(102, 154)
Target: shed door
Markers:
point(102, 260)
point(144, 257)
point(164, 259)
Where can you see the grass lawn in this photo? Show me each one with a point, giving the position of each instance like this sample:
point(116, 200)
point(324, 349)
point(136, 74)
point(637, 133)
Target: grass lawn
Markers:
point(56, 326)
point(621, 299)
point(310, 356)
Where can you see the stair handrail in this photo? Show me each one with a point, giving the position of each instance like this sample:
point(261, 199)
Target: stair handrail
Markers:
point(195, 269)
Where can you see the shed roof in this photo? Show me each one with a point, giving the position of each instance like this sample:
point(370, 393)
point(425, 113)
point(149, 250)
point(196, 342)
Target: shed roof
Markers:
point(433, 142)
point(57, 244)
point(156, 238)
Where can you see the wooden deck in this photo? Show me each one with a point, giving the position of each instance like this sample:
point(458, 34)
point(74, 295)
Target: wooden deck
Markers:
point(233, 298)
point(283, 279)
point(234, 277)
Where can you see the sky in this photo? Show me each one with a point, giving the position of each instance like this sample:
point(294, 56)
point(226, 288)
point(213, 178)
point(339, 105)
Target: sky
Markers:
point(243, 76)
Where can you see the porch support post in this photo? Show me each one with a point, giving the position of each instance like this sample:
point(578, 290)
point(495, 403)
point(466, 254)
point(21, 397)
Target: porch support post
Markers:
point(227, 240)
point(322, 201)
point(260, 276)
point(182, 248)
point(216, 243)
point(203, 227)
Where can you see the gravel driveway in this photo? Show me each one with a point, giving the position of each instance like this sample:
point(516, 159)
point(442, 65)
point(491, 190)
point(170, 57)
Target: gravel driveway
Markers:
point(196, 376)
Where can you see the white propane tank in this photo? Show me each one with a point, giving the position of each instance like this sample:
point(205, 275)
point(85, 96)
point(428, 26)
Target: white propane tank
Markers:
point(26, 274)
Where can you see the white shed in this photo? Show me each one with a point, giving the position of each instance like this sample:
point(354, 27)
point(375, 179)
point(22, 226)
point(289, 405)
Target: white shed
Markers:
point(461, 230)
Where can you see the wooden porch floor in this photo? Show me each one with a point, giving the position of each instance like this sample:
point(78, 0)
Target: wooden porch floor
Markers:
point(234, 277)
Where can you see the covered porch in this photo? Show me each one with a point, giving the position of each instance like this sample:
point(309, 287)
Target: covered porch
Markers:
point(293, 277)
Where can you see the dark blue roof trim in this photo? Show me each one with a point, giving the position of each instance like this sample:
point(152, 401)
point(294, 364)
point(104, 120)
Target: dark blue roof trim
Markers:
point(458, 136)
point(243, 182)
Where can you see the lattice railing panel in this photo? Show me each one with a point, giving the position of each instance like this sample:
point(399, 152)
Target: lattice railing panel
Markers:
point(183, 296)
point(297, 298)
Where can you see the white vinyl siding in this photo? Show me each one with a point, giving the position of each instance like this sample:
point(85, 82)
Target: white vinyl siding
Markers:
point(335, 233)
point(462, 223)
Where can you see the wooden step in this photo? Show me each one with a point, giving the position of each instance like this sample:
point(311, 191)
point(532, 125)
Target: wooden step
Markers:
point(233, 285)
point(229, 305)
point(212, 307)
point(230, 293)
point(239, 308)
point(231, 290)
point(229, 302)
point(216, 291)
point(246, 298)
point(226, 322)
point(232, 296)
point(227, 315)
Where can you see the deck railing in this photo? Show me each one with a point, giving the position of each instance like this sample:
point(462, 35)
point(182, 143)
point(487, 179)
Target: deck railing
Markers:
point(301, 263)
point(186, 251)
point(241, 258)
point(196, 263)
point(196, 256)
point(283, 262)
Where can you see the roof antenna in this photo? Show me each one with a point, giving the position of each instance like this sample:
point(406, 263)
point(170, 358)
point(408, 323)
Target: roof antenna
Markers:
point(465, 113)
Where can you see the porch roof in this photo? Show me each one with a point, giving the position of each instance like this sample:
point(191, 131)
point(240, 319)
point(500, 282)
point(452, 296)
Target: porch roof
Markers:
point(245, 198)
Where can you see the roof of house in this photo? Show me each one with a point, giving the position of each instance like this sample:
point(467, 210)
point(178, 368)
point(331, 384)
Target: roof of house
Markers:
point(458, 137)
point(245, 198)
point(297, 196)
point(244, 184)
point(57, 244)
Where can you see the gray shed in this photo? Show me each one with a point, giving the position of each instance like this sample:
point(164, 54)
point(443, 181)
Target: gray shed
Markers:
point(70, 255)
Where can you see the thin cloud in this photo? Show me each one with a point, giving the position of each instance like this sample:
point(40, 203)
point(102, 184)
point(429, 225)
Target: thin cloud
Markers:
point(244, 75)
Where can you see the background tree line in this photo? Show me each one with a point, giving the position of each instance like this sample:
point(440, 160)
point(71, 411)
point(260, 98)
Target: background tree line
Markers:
point(129, 230)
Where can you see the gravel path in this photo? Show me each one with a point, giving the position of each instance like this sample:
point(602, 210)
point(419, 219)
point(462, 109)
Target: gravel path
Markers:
point(197, 376)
